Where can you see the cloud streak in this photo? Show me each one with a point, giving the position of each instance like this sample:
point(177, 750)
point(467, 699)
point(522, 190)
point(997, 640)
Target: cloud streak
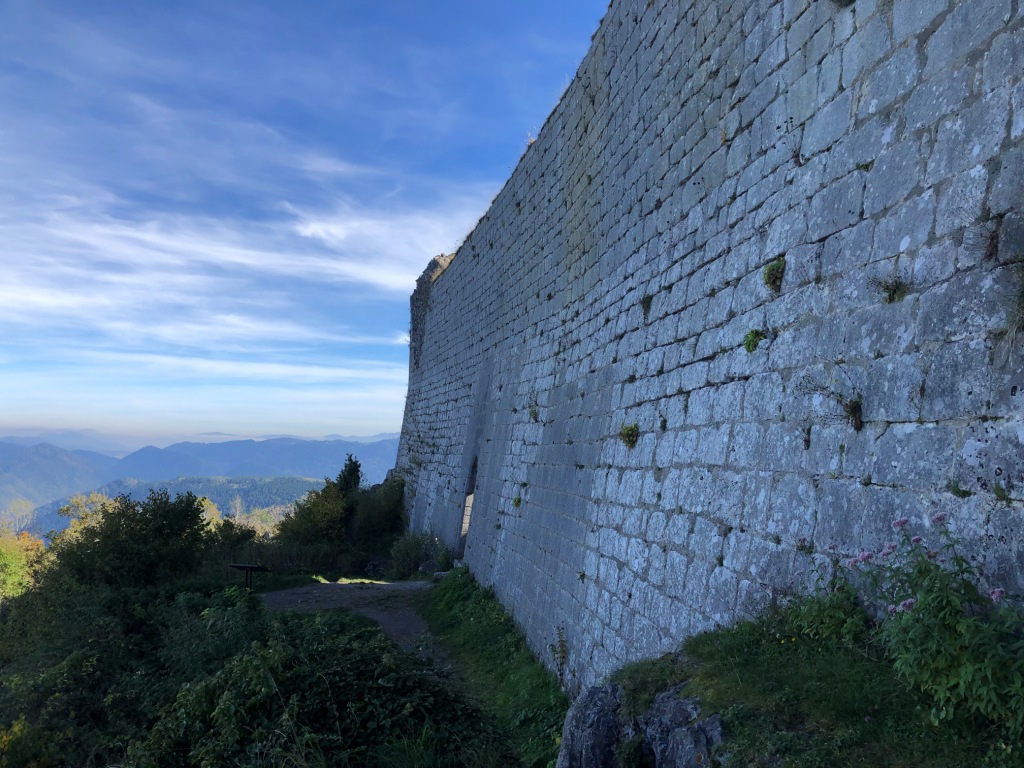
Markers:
point(203, 200)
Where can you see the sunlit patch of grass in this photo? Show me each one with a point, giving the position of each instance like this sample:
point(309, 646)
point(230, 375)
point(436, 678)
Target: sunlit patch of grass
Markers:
point(352, 580)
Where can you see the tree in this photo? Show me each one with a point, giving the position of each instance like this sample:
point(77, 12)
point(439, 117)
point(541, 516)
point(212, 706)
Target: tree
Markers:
point(351, 476)
point(133, 543)
point(211, 512)
point(17, 553)
point(18, 515)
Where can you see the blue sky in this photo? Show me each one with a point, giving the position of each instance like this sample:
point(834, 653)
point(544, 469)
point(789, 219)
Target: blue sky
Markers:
point(212, 213)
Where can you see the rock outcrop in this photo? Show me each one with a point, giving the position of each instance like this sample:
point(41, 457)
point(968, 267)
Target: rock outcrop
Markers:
point(668, 735)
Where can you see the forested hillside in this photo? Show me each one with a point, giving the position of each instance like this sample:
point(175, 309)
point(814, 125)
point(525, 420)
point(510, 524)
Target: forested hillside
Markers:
point(43, 475)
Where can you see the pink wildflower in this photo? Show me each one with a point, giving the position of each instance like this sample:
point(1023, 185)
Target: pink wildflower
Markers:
point(907, 604)
point(892, 609)
point(853, 562)
point(916, 540)
point(997, 594)
point(900, 523)
point(889, 549)
point(938, 518)
point(931, 554)
point(865, 557)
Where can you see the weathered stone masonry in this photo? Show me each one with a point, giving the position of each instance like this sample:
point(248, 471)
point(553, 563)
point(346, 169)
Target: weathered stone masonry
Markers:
point(877, 149)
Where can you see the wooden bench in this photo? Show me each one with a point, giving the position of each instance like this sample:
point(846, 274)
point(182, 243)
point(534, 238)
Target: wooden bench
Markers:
point(249, 569)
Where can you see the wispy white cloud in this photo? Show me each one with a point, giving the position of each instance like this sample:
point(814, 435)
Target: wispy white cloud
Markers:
point(182, 367)
point(216, 209)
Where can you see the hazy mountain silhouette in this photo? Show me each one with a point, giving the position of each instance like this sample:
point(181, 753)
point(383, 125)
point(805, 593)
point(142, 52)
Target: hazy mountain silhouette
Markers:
point(43, 473)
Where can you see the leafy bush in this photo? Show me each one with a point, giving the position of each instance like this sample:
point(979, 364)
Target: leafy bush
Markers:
point(833, 613)
point(417, 549)
point(343, 526)
point(133, 543)
point(97, 670)
point(325, 688)
point(379, 514)
point(17, 553)
point(963, 649)
point(321, 517)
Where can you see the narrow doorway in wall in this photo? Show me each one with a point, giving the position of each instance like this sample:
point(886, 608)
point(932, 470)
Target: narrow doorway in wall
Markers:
point(467, 511)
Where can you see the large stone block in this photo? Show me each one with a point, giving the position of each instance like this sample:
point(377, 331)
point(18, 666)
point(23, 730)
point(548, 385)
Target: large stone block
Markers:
point(966, 27)
point(836, 207)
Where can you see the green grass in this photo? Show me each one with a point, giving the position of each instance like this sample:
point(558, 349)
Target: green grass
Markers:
point(499, 672)
point(641, 681)
point(789, 700)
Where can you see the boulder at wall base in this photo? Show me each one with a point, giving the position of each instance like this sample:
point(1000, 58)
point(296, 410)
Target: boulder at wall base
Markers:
point(666, 736)
point(591, 731)
point(669, 735)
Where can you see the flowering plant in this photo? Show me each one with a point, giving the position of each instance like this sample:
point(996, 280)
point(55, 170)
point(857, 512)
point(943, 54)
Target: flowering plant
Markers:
point(963, 648)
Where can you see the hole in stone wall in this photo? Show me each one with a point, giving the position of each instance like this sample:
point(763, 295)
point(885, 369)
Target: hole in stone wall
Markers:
point(467, 511)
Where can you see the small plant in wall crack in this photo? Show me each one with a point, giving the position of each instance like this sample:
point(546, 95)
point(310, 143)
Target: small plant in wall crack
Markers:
point(773, 273)
point(961, 493)
point(1002, 493)
point(851, 405)
point(853, 408)
point(894, 288)
point(517, 501)
point(560, 653)
point(645, 305)
point(752, 339)
point(630, 434)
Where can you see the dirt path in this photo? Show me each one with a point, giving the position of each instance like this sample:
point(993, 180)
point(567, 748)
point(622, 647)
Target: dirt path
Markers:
point(387, 603)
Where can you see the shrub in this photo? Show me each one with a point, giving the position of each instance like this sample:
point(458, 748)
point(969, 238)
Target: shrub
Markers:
point(379, 514)
point(833, 612)
point(417, 549)
point(963, 649)
point(134, 543)
point(17, 553)
point(320, 690)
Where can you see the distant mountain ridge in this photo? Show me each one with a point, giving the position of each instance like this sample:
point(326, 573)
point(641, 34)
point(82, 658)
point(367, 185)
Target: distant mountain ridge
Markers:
point(43, 473)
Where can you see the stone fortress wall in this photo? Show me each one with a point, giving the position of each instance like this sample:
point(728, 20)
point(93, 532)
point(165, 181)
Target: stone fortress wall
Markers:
point(783, 239)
